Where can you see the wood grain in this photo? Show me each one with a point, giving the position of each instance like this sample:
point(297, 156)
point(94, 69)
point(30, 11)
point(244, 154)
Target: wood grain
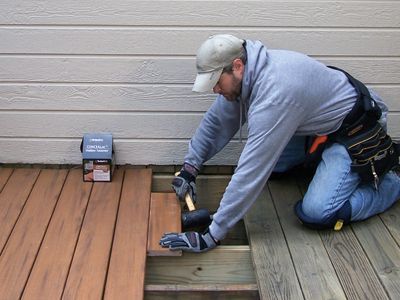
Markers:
point(4, 175)
point(313, 266)
point(49, 274)
point(12, 200)
point(357, 276)
point(165, 216)
point(223, 265)
point(382, 252)
point(126, 273)
point(21, 249)
point(276, 276)
point(391, 218)
point(89, 266)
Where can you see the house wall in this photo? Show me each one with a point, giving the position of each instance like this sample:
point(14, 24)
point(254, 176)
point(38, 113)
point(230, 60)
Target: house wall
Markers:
point(126, 67)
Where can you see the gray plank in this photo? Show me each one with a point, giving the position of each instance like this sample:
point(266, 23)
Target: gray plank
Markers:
point(391, 218)
point(382, 252)
point(353, 267)
point(314, 269)
point(274, 270)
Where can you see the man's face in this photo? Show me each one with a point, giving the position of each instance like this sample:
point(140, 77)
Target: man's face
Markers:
point(230, 84)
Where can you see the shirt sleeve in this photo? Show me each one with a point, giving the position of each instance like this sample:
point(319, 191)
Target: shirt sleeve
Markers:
point(219, 125)
point(271, 126)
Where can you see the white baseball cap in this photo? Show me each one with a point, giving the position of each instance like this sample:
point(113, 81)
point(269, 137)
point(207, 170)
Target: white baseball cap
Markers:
point(216, 53)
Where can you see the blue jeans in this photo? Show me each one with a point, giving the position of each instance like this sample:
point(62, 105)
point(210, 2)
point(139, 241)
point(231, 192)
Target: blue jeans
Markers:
point(334, 183)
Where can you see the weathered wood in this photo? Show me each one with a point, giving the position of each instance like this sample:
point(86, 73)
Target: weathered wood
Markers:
point(382, 252)
point(89, 266)
point(313, 267)
point(49, 274)
point(223, 265)
point(204, 13)
point(4, 175)
point(125, 278)
point(276, 276)
point(165, 216)
point(12, 200)
point(354, 270)
point(391, 218)
point(21, 249)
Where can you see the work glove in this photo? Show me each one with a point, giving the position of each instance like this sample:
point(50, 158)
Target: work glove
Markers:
point(190, 241)
point(185, 182)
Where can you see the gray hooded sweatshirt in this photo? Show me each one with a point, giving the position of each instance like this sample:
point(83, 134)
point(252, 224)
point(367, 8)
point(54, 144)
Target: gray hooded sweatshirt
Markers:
point(284, 93)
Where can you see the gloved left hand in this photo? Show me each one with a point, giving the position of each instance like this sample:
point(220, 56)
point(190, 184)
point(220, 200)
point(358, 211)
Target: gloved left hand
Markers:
point(189, 241)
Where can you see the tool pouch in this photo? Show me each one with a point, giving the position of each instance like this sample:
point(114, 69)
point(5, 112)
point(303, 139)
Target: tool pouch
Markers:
point(371, 149)
point(372, 152)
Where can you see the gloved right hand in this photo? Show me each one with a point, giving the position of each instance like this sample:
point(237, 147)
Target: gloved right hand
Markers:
point(183, 183)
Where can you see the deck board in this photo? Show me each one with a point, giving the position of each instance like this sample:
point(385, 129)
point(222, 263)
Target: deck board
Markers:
point(382, 251)
point(58, 246)
point(4, 175)
point(89, 266)
point(276, 276)
point(127, 266)
point(165, 216)
point(313, 266)
point(12, 200)
point(63, 238)
point(20, 251)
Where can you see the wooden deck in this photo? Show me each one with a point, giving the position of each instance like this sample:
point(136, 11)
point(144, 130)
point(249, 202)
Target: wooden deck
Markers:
point(63, 238)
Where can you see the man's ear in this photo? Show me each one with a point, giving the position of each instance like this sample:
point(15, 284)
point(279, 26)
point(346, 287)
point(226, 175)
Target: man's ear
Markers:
point(238, 66)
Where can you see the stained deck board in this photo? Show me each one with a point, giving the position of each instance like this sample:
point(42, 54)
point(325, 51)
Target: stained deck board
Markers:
point(4, 175)
point(126, 273)
point(64, 238)
point(20, 251)
point(89, 266)
point(13, 198)
point(165, 216)
point(55, 255)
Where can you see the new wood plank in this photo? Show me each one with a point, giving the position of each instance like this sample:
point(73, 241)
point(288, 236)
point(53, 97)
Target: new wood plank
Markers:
point(89, 266)
point(128, 258)
point(165, 216)
point(224, 265)
point(49, 274)
point(274, 269)
point(12, 200)
point(4, 175)
point(352, 266)
point(20, 251)
point(382, 252)
point(314, 269)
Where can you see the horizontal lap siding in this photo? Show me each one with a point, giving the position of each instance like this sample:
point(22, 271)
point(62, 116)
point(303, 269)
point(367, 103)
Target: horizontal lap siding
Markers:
point(126, 67)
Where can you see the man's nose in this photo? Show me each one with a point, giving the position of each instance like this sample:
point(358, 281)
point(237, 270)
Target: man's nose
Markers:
point(217, 89)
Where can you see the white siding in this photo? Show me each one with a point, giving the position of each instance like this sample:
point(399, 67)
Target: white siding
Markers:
point(126, 67)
